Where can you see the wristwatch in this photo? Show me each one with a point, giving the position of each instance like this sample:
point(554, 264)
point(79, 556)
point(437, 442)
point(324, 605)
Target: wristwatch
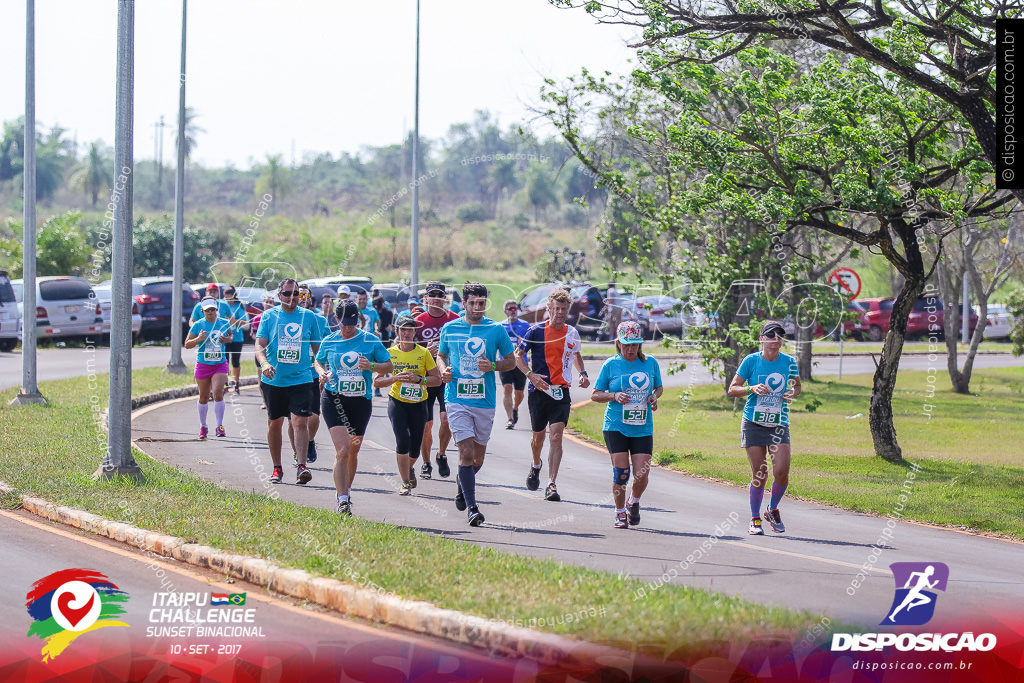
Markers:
point(583, 373)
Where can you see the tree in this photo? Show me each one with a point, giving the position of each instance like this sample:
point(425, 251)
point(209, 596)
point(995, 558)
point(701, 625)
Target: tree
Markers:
point(61, 247)
point(540, 188)
point(153, 248)
point(946, 50)
point(842, 149)
point(94, 175)
point(274, 180)
point(192, 131)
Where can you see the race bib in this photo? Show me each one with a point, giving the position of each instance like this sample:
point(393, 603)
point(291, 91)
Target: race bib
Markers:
point(352, 385)
point(212, 353)
point(410, 391)
point(768, 410)
point(555, 393)
point(289, 342)
point(634, 414)
point(468, 388)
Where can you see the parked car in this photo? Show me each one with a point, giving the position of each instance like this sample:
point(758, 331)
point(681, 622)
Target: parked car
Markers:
point(10, 315)
point(329, 285)
point(919, 324)
point(66, 306)
point(584, 314)
point(103, 295)
point(998, 322)
point(153, 295)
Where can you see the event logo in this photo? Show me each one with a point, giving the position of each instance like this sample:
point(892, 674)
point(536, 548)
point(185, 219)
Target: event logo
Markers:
point(292, 330)
point(349, 360)
point(69, 603)
point(775, 382)
point(475, 346)
point(639, 381)
point(914, 603)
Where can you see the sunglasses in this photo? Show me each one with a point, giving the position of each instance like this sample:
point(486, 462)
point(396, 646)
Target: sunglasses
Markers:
point(293, 292)
point(772, 334)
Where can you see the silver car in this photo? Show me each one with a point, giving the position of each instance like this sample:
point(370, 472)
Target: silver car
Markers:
point(998, 322)
point(102, 291)
point(66, 306)
point(10, 316)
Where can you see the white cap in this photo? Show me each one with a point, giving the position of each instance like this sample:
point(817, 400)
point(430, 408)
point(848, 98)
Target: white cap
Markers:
point(344, 290)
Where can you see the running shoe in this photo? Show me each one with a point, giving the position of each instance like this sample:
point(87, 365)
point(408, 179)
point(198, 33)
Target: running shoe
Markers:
point(406, 489)
point(376, 392)
point(220, 431)
point(203, 433)
point(510, 424)
point(774, 518)
point(551, 493)
point(755, 527)
point(277, 475)
point(345, 508)
point(412, 477)
point(311, 452)
point(634, 513)
point(476, 518)
point(620, 520)
point(533, 479)
point(442, 466)
point(303, 475)
point(515, 415)
point(425, 470)
point(460, 500)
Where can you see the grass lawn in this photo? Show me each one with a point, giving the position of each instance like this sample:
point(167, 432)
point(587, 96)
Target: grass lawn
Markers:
point(410, 563)
point(969, 449)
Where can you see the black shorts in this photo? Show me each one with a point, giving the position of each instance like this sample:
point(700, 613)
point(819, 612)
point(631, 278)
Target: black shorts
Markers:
point(284, 401)
point(234, 350)
point(545, 410)
point(617, 442)
point(515, 377)
point(345, 411)
point(435, 394)
point(314, 386)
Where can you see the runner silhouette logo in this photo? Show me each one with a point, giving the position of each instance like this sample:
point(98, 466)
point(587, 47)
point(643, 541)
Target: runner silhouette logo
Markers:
point(914, 602)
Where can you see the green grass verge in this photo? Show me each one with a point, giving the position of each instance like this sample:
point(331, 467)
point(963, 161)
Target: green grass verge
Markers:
point(410, 563)
point(969, 449)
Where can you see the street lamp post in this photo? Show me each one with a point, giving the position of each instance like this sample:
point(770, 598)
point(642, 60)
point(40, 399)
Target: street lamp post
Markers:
point(175, 365)
point(415, 265)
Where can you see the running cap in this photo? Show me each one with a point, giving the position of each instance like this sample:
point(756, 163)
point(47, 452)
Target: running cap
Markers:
point(436, 289)
point(209, 303)
point(772, 325)
point(406, 321)
point(347, 312)
point(344, 290)
point(212, 287)
point(629, 332)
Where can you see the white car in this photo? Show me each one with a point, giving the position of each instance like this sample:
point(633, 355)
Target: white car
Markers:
point(998, 322)
point(10, 315)
point(66, 306)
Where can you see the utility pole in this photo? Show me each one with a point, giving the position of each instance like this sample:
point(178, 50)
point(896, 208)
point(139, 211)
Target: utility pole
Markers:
point(175, 365)
point(415, 261)
point(29, 390)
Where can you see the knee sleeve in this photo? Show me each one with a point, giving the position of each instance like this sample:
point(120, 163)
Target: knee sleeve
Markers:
point(620, 475)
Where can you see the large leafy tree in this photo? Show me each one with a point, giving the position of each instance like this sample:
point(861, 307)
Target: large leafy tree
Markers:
point(842, 149)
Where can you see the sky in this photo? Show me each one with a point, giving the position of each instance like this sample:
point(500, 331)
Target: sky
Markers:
point(268, 77)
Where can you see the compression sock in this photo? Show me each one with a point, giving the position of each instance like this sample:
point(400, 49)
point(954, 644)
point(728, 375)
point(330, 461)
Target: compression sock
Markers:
point(218, 411)
point(756, 496)
point(467, 482)
point(204, 408)
point(777, 493)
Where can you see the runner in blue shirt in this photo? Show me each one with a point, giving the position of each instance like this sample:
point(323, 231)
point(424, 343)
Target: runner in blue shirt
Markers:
point(286, 336)
point(313, 424)
point(345, 363)
point(369, 314)
point(239, 319)
point(772, 382)
point(212, 292)
point(513, 382)
point(630, 383)
point(466, 357)
point(210, 334)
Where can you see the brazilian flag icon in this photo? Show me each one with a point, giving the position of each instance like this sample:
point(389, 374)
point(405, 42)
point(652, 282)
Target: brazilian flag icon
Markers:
point(236, 598)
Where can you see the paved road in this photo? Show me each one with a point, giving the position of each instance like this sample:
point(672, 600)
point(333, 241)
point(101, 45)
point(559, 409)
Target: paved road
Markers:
point(811, 566)
point(292, 638)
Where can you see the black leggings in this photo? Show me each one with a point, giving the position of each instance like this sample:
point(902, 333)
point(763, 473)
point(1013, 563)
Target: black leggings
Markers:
point(408, 421)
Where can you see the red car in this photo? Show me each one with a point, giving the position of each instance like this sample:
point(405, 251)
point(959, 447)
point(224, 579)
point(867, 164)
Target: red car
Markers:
point(927, 316)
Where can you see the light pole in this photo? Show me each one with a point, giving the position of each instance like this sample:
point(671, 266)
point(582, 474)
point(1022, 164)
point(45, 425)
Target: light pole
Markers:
point(175, 365)
point(118, 462)
point(29, 390)
point(415, 265)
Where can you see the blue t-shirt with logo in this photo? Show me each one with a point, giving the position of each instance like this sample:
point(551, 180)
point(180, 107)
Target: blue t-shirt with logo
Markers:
point(341, 356)
point(770, 410)
point(464, 345)
point(372, 319)
point(236, 310)
point(638, 379)
point(290, 338)
point(223, 310)
point(211, 350)
point(516, 331)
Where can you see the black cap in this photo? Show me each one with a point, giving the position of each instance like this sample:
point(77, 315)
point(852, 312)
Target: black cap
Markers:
point(772, 325)
point(406, 321)
point(347, 312)
point(437, 287)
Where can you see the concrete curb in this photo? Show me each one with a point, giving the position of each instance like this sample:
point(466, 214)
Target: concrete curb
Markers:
point(417, 616)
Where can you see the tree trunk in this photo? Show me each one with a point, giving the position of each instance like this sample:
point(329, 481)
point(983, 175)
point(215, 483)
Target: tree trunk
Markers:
point(883, 431)
point(804, 351)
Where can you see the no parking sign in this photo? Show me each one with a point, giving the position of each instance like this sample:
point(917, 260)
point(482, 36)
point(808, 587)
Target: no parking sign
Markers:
point(846, 282)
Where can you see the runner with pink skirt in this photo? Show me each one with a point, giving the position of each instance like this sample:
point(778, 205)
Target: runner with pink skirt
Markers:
point(210, 335)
